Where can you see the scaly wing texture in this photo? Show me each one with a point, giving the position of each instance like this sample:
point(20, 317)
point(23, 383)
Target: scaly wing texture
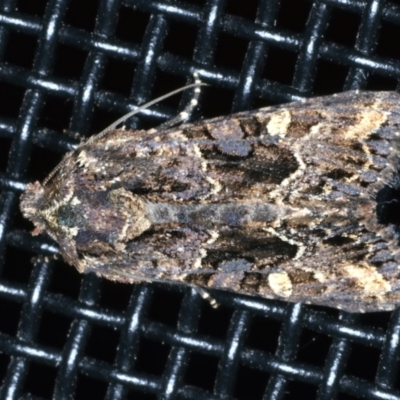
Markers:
point(288, 202)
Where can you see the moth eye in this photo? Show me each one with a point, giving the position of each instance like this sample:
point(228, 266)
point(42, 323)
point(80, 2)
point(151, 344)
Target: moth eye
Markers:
point(68, 217)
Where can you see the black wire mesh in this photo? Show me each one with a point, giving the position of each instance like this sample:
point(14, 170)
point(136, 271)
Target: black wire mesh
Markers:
point(78, 65)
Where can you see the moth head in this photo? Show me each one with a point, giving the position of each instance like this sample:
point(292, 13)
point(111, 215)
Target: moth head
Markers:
point(43, 205)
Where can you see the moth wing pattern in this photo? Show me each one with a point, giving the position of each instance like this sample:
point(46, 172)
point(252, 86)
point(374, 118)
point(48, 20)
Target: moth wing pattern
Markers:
point(290, 202)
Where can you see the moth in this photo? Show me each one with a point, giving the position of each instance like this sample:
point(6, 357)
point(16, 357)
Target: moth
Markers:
point(298, 202)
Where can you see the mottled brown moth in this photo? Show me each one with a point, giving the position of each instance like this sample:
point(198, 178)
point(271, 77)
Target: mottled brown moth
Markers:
point(296, 202)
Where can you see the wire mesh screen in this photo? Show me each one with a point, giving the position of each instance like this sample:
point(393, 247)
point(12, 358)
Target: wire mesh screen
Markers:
point(71, 66)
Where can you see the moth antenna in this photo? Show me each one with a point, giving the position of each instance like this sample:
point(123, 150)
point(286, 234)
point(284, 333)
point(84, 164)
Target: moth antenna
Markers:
point(196, 84)
point(187, 112)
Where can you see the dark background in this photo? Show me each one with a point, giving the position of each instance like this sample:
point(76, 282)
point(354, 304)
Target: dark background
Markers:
point(75, 66)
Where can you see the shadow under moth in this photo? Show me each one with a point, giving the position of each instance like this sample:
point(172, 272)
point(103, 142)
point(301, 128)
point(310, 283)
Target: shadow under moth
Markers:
point(296, 202)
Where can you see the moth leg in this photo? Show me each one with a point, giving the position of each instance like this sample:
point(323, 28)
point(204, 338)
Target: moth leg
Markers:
point(45, 259)
point(187, 112)
point(206, 296)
